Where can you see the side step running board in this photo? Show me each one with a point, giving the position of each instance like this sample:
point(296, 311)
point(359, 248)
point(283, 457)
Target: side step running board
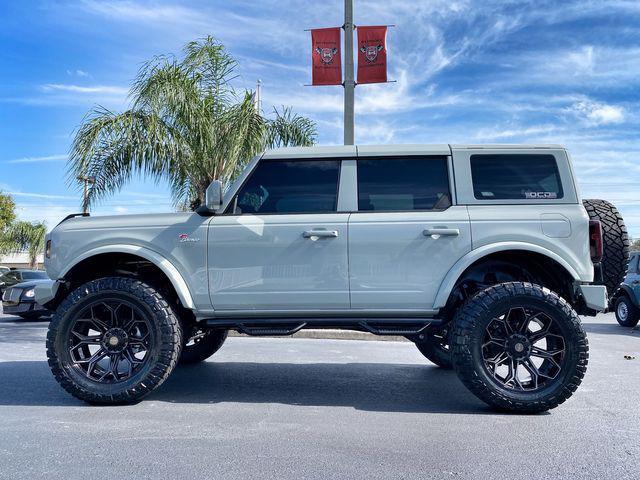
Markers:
point(270, 330)
point(393, 329)
point(289, 326)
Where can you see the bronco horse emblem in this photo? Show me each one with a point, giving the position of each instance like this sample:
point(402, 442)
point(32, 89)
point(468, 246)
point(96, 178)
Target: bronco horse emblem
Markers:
point(371, 52)
point(326, 54)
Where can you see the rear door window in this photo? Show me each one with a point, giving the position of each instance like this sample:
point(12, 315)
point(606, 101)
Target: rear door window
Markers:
point(515, 177)
point(403, 184)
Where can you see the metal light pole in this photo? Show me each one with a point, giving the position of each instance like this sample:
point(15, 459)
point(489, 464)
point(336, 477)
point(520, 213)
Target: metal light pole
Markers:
point(85, 197)
point(258, 97)
point(349, 82)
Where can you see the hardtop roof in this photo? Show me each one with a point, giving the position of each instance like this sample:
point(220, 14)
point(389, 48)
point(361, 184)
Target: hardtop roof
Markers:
point(352, 151)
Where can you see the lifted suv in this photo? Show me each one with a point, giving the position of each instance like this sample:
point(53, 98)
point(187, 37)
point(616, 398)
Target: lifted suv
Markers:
point(482, 255)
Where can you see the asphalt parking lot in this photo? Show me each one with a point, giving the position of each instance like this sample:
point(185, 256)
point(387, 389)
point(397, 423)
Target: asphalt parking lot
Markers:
point(319, 409)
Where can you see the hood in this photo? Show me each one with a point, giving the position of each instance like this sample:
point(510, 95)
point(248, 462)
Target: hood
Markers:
point(29, 284)
point(146, 220)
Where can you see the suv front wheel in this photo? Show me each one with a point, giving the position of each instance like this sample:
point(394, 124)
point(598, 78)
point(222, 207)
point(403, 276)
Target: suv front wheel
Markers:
point(519, 347)
point(113, 341)
point(627, 314)
point(434, 345)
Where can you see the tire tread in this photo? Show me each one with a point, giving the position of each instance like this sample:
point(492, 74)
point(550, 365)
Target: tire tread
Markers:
point(465, 323)
point(169, 350)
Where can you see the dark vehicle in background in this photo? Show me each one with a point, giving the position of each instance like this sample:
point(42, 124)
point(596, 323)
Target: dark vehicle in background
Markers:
point(18, 297)
point(20, 300)
point(626, 301)
point(4, 270)
point(19, 275)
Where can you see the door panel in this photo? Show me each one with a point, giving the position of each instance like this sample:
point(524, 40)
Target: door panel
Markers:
point(398, 259)
point(279, 262)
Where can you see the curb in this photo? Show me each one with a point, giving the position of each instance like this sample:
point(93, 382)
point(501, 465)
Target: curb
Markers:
point(328, 334)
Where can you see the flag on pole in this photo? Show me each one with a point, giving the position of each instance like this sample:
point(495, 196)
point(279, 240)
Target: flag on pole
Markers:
point(372, 54)
point(326, 56)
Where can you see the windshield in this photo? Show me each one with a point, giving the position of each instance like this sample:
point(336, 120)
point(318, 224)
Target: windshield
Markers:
point(34, 275)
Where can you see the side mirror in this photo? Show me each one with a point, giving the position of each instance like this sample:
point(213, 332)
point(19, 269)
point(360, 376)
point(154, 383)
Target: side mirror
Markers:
point(213, 196)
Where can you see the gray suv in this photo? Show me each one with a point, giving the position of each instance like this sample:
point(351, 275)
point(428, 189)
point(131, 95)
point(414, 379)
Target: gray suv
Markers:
point(484, 256)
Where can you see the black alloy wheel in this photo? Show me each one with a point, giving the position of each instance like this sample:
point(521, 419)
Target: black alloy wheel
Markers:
point(113, 341)
point(519, 347)
point(523, 349)
point(110, 341)
point(435, 346)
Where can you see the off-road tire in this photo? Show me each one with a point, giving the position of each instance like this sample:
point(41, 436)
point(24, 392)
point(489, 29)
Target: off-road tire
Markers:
point(469, 327)
point(164, 355)
point(204, 347)
point(633, 312)
point(615, 242)
point(433, 349)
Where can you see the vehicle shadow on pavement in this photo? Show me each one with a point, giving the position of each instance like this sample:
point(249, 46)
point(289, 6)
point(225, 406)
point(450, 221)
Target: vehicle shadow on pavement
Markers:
point(610, 329)
point(363, 386)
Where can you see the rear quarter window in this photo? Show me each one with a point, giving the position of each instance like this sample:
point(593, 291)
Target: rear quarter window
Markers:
point(515, 177)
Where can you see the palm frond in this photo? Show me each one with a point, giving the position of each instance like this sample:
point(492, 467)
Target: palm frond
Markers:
point(207, 60)
point(113, 147)
point(185, 125)
point(289, 129)
point(22, 237)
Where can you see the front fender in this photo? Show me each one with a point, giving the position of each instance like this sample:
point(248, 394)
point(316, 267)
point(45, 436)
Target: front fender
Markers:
point(624, 288)
point(162, 263)
point(474, 255)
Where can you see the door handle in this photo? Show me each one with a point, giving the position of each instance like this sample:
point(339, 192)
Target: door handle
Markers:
point(320, 233)
point(441, 232)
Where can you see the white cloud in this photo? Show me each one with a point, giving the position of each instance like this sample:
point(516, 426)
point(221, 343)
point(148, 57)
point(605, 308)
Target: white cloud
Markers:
point(596, 113)
point(100, 89)
point(42, 196)
point(582, 60)
point(137, 12)
point(375, 133)
point(47, 158)
point(78, 73)
point(527, 134)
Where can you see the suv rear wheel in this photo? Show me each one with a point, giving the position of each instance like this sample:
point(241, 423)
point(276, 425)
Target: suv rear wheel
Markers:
point(519, 347)
point(113, 341)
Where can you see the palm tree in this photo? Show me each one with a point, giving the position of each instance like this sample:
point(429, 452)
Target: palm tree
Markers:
point(186, 125)
point(24, 237)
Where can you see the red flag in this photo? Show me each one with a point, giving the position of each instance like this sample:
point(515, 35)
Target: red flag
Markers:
point(372, 54)
point(326, 56)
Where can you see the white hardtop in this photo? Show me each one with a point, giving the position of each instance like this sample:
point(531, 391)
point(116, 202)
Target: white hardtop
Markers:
point(353, 151)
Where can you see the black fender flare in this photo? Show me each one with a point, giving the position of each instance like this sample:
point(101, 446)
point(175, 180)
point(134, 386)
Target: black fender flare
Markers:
point(625, 289)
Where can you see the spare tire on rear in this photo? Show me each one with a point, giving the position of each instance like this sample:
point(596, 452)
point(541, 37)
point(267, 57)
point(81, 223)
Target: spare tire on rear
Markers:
point(615, 242)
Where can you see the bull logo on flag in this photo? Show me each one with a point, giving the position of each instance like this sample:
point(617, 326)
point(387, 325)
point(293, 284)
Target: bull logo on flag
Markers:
point(371, 52)
point(326, 54)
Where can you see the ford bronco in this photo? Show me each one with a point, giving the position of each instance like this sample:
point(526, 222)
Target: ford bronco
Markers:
point(484, 256)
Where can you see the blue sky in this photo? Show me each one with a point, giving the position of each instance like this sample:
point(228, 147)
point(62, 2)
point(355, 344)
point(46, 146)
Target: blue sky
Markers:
point(468, 71)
